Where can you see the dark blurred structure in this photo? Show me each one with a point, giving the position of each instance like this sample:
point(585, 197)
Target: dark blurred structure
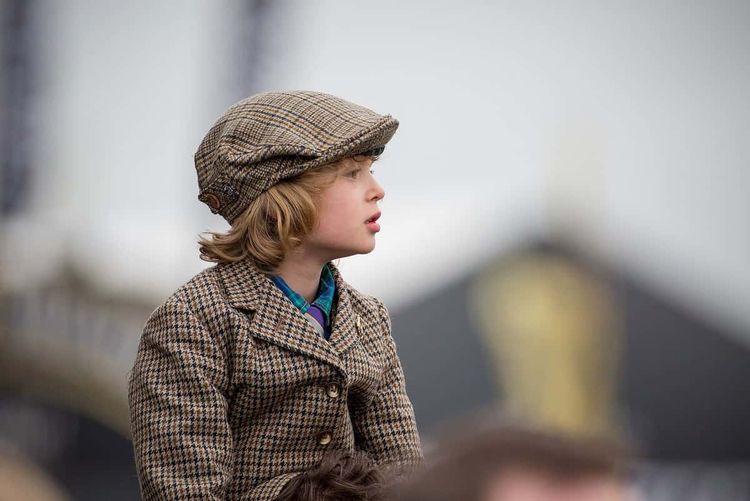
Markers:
point(16, 89)
point(82, 458)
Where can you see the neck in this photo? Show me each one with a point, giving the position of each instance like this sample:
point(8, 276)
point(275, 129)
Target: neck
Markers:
point(302, 274)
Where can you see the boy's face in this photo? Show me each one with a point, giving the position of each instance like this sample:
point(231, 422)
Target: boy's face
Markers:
point(347, 208)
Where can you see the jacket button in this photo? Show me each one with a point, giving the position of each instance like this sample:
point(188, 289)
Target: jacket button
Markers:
point(333, 390)
point(325, 439)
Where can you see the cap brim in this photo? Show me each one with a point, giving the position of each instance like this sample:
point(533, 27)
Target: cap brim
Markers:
point(370, 138)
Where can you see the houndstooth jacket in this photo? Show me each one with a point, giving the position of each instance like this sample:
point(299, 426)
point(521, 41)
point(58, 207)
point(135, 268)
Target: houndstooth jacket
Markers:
point(233, 393)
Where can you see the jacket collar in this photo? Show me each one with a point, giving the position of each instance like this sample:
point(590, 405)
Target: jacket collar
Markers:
point(278, 321)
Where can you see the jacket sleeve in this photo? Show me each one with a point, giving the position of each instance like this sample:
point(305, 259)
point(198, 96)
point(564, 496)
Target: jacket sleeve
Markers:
point(178, 413)
point(386, 429)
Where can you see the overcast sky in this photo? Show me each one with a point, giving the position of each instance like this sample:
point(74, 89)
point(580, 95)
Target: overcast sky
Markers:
point(626, 124)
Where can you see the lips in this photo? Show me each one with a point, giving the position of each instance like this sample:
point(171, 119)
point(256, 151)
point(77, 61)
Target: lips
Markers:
point(373, 218)
point(372, 224)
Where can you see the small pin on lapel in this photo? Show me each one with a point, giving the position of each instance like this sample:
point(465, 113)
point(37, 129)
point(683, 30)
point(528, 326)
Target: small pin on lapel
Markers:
point(359, 324)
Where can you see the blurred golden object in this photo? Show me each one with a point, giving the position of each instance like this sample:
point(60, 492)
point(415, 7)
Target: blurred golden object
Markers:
point(551, 330)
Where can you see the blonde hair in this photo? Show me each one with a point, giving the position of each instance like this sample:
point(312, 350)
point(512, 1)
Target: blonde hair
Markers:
point(274, 223)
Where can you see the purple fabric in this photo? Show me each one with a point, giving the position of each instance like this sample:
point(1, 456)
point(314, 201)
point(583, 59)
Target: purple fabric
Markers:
point(315, 312)
point(318, 315)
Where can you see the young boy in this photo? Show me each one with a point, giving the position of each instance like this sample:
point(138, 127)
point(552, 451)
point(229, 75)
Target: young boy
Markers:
point(251, 371)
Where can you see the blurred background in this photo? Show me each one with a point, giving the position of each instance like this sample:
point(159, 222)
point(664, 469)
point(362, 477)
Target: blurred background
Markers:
point(566, 226)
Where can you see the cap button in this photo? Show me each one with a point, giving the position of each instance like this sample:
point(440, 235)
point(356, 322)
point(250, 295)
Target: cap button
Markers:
point(213, 201)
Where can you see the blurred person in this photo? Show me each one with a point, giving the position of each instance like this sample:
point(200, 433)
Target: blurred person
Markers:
point(340, 476)
point(511, 462)
point(251, 371)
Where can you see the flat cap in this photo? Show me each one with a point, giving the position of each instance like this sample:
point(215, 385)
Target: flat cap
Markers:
point(272, 136)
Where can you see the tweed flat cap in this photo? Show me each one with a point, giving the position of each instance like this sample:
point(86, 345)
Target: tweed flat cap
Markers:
point(276, 135)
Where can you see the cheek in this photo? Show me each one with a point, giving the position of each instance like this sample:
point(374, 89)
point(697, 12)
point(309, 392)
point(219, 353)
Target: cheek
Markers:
point(334, 221)
point(336, 199)
point(328, 228)
point(338, 205)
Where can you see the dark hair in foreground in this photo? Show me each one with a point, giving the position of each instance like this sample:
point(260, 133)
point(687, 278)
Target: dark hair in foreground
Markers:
point(340, 476)
point(462, 468)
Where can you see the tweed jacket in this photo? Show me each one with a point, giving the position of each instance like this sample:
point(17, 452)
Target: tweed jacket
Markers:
point(233, 393)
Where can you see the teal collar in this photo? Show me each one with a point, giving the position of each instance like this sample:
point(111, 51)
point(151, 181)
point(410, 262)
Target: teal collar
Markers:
point(324, 298)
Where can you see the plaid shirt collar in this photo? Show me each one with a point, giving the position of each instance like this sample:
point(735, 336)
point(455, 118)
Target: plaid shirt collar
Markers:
point(324, 300)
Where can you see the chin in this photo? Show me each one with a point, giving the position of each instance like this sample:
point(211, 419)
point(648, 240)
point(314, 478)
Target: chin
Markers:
point(361, 248)
point(360, 251)
point(369, 248)
point(352, 252)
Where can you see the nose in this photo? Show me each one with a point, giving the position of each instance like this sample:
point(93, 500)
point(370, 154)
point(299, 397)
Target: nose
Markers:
point(376, 192)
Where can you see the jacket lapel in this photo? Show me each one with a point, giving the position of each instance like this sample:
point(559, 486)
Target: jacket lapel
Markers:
point(344, 320)
point(278, 321)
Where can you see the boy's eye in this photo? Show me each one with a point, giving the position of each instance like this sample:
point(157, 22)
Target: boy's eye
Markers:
point(354, 173)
